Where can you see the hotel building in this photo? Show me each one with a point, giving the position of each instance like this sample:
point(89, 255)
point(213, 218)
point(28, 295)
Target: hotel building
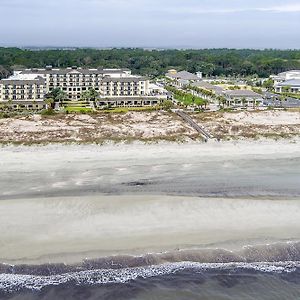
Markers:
point(116, 87)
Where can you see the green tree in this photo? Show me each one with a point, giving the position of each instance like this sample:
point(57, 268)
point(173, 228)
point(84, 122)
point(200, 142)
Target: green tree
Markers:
point(89, 95)
point(57, 94)
point(50, 103)
point(167, 105)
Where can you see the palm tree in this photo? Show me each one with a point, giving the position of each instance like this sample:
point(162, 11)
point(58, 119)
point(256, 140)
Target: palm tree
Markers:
point(49, 103)
point(93, 94)
point(85, 96)
point(57, 95)
point(61, 96)
point(89, 95)
point(244, 101)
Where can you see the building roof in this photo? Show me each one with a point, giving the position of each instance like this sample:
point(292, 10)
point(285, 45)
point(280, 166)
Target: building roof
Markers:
point(241, 93)
point(124, 79)
point(15, 81)
point(98, 71)
point(208, 86)
point(291, 82)
point(184, 75)
point(287, 72)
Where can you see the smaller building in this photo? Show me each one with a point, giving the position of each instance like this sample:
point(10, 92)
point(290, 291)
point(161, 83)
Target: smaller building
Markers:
point(183, 78)
point(287, 81)
point(217, 90)
point(284, 76)
point(242, 98)
point(288, 86)
point(158, 91)
point(172, 71)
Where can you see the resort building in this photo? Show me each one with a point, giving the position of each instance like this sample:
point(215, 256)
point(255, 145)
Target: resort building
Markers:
point(28, 88)
point(287, 82)
point(183, 78)
point(284, 76)
point(217, 90)
point(23, 92)
point(242, 98)
point(288, 86)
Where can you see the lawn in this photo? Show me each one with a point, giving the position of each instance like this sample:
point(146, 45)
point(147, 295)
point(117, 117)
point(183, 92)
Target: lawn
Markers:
point(127, 109)
point(71, 109)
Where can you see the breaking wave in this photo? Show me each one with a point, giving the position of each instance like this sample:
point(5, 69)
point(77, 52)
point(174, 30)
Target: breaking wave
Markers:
point(16, 282)
point(272, 258)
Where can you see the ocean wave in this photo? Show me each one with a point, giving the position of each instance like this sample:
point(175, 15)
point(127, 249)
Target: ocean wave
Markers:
point(273, 252)
point(277, 257)
point(16, 282)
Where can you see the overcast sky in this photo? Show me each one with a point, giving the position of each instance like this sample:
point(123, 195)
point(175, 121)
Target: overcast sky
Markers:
point(151, 23)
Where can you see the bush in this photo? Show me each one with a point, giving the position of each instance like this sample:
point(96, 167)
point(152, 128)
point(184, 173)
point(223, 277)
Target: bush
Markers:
point(48, 112)
point(167, 105)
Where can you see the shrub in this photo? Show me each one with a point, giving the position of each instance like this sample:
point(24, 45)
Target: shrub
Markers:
point(48, 112)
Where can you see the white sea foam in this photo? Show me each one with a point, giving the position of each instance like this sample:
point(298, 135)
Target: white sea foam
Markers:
point(15, 282)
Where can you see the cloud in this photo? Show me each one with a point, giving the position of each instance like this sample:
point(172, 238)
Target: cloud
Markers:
point(287, 8)
point(196, 8)
point(232, 23)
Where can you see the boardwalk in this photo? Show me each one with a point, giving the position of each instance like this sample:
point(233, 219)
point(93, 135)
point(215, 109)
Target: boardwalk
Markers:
point(192, 123)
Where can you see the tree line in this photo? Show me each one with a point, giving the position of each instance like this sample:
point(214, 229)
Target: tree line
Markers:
point(154, 63)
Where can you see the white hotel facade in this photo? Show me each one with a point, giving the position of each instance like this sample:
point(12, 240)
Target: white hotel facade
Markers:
point(116, 87)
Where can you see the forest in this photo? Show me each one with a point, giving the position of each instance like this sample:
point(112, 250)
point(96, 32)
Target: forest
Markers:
point(154, 63)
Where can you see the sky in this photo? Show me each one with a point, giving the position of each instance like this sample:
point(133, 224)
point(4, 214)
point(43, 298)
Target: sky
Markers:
point(151, 23)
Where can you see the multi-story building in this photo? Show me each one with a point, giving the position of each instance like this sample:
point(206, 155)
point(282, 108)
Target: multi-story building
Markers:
point(114, 86)
point(23, 93)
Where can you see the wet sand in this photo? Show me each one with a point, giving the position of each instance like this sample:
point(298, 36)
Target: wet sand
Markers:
point(67, 203)
point(72, 229)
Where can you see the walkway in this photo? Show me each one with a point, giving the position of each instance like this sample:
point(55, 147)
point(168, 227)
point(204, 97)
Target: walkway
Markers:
point(192, 123)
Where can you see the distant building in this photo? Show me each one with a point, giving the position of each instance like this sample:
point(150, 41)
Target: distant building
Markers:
point(290, 86)
point(172, 71)
point(287, 81)
point(242, 98)
point(281, 77)
point(183, 78)
point(209, 87)
point(28, 88)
